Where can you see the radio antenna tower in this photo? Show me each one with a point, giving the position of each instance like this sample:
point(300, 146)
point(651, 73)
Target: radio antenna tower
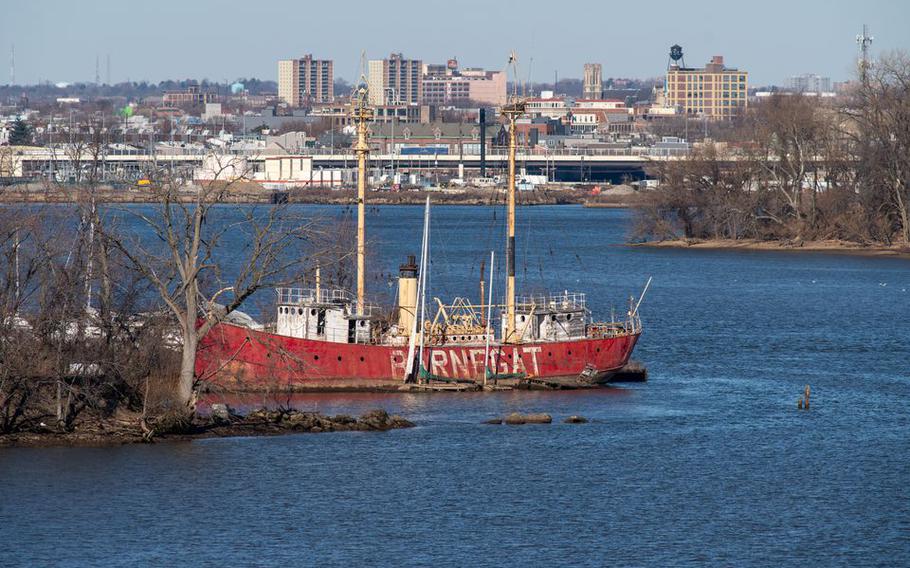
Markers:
point(12, 64)
point(108, 74)
point(97, 70)
point(864, 40)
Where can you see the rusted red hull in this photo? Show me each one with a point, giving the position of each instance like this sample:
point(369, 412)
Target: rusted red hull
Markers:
point(240, 358)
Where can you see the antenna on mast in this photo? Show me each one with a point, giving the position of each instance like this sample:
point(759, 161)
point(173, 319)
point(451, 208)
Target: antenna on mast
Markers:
point(527, 84)
point(864, 40)
point(513, 63)
point(363, 66)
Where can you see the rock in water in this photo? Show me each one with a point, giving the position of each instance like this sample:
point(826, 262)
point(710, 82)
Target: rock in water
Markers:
point(538, 418)
point(380, 420)
point(575, 419)
point(493, 421)
point(396, 421)
point(376, 419)
point(515, 419)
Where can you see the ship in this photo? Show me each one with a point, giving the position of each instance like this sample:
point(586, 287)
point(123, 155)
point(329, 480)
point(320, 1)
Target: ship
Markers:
point(333, 339)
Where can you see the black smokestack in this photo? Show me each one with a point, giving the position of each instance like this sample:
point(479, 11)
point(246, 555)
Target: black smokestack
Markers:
point(483, 142)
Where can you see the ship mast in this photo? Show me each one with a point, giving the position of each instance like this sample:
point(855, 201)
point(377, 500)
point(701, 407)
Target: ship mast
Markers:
point(361, 114)
point(511, 111)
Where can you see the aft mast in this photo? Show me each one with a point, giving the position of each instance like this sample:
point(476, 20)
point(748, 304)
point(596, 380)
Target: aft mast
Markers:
point(512, 111)
point(361, 113)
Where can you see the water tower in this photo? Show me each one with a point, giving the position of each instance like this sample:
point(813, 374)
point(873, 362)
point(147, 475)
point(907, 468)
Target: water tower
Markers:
point(676, 57)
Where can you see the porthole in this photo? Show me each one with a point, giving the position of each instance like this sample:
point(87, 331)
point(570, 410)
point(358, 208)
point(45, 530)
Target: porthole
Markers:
point(598, 349)
point(313, 312)
point(568, 317)
point(570, 352)
point(363, 323)
point(361, 359)
point(300, 311)
point(549, 353)
point(315, 357)
point(553, 317)
point(339, 357)
point(522, 318)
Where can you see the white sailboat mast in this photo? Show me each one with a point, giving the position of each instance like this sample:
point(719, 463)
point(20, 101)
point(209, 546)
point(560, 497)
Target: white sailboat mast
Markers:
point(486, 351)
point(421, 296)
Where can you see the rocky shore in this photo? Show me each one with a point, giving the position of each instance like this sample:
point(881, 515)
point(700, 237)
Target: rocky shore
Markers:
point(253, 193)
point(828, 246)
point(222, 423)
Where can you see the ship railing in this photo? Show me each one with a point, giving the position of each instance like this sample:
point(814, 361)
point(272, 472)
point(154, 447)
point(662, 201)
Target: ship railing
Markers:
point(337, 296)
point(310, 296)
point(616, 328)
point(561, 301)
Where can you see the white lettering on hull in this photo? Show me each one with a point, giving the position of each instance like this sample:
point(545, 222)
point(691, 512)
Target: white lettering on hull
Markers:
point(399, 363)
point(439, 361)
point(467, 362)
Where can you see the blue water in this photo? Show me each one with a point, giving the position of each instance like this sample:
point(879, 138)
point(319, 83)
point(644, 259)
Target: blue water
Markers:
point(709, 463)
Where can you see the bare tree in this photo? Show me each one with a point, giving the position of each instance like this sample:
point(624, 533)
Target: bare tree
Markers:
point(182, 264)
point(790, 135)
point(881, 135)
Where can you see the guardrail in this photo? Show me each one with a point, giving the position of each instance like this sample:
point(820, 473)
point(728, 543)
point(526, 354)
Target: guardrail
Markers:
point(330, 296)
point(563, 301)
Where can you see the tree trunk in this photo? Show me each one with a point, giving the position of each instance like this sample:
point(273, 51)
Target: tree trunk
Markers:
point(902, 207)
point(188, 370)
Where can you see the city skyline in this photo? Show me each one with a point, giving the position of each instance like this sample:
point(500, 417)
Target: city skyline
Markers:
point(245, 41)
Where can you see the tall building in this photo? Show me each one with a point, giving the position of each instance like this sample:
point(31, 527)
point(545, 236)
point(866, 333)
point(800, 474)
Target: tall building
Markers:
point(809, 83)
point(305, 81)
point(449, 85)
point(714, 91)
point(395, 80)
point(593, 83)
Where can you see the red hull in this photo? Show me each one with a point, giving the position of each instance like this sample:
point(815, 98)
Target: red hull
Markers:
point(240, 358)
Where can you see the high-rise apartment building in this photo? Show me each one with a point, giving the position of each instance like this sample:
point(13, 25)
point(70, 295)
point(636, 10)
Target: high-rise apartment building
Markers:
point(593, 81)
point(305, 81)
point(809, 83)
point(449, 85)
point(714, 91)
point(395, 80)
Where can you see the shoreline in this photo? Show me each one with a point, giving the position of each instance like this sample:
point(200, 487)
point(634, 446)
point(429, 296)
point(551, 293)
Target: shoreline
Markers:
point(258, 423)
point(826, 246)
point(249, 194)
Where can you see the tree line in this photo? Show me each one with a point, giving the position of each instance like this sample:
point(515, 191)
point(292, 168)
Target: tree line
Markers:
point(798, 168)
point(102, 307)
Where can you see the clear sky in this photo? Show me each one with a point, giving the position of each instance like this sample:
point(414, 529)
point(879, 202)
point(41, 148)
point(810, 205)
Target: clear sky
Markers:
point(59, 40)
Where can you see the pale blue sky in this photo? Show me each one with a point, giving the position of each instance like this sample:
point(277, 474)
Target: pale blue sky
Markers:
point(58, 40)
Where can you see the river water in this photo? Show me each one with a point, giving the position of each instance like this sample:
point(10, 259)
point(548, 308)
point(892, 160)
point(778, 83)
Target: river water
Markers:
point(709, 462)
